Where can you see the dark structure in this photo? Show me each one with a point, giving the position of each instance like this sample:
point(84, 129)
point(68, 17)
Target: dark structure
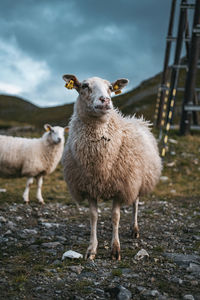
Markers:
point(167, 94)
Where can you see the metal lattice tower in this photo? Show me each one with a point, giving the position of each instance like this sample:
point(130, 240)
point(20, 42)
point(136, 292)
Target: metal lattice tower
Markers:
point(167, 94)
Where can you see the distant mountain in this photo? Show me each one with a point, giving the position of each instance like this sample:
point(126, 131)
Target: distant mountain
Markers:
point(16, 111)
point(141, 100)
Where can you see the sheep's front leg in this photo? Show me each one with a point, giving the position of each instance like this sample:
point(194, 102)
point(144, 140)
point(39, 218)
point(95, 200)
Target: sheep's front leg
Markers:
point(92, 249)
point(39, 189)
point(115, 244)
point(27, 189)
point(134, 225)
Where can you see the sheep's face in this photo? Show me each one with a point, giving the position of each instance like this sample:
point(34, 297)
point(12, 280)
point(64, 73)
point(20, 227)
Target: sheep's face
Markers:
point(95, 96)
point(55, 134)
point(94, 93)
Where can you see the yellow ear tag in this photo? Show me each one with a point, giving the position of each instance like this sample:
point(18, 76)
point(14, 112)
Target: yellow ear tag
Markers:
point(116, 89)
point(70, 85)
point(118, 92)
point(66, 129)
point(47, 129)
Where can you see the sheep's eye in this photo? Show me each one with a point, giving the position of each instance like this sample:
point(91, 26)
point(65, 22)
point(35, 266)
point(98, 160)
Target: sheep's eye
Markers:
point(85, 85)
point(111, 88)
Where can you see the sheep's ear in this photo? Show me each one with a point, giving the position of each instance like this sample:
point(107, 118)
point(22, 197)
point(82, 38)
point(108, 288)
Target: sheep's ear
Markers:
point(47, 127)
point(66, 129)
point(71, 82)
point(118, 85)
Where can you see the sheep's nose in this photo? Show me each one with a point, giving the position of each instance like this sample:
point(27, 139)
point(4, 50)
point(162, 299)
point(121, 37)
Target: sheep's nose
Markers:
point(104, 99)
point(59, 140)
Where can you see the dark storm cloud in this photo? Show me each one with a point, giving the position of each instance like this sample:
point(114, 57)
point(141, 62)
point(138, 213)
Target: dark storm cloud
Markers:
point(111, 39)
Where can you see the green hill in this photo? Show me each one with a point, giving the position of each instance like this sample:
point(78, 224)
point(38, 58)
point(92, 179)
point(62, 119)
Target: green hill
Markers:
point(16, 111)
point(141, 100)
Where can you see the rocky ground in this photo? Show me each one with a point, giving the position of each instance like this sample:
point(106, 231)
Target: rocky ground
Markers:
point(33, 239)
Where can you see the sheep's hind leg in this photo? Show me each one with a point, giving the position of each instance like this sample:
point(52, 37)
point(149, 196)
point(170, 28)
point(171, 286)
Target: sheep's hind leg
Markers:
point(39, 189)
point(27, 189)
point(92, 249)
point(115, 244)
point(134, 225)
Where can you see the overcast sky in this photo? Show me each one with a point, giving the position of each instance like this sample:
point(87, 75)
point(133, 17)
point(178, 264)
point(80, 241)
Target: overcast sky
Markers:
point(40, 40)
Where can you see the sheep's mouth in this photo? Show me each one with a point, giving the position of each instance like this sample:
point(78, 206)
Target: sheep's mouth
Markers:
point(103, 107)
point(57, 142)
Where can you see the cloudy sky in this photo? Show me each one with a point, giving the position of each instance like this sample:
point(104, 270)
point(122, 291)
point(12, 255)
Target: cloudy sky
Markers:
point(40, 40)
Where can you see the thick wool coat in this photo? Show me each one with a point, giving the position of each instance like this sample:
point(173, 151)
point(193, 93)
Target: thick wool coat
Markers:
point(28, 157)
point(112, 159)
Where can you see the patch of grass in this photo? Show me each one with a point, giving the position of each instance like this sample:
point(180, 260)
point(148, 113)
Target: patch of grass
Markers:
point(38, 268)
point(124, 264)
point(117, 272)
point(159, 249)
point(83, 286)
point(196, 247)
point(130, 253)
point(149, 212)
point(20, 278)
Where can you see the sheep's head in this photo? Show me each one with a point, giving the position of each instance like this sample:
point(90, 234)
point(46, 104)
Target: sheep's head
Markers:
point(95, 93)
point(55, 134)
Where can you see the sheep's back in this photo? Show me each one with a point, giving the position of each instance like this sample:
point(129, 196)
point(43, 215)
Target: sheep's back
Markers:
point(17, 155)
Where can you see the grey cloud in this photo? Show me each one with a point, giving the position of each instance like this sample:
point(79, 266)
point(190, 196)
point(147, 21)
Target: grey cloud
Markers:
point(105, 38)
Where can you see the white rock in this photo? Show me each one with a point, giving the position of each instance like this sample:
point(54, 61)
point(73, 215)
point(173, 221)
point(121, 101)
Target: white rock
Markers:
point(8, 232)
point(30, 231)
point(188, 297)
point(171, 164)
point(164, 178)
point(141, 254)
point(173, 191)
point(2, 190)
point(2, 219)
point(154, 293)
point(51, 245)
point(72, 254)
point(50, 225)
point(173, 153)
point(11, 225)
point(81, 225)
point(172, 141)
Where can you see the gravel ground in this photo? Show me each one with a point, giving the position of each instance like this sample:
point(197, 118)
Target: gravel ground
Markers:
point(34, 238)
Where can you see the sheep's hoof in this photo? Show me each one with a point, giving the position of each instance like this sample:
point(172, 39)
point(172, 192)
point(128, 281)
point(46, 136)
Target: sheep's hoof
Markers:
point(115, 253)
point(42, 203)
point(135, 233)
point(26, 202)
point(90, 255)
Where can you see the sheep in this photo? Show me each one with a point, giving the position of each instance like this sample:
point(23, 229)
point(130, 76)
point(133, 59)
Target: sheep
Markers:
point(107, 156)
point(32, 158)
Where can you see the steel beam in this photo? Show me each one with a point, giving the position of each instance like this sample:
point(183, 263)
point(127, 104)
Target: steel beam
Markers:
point(191, 74)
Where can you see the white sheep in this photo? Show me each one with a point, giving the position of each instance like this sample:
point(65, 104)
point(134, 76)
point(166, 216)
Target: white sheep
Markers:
point(107, 156)
point(31, 157)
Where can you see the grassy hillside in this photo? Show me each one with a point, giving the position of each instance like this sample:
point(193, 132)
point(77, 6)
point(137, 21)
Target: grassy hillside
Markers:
point(16, 111)
point(141, 100)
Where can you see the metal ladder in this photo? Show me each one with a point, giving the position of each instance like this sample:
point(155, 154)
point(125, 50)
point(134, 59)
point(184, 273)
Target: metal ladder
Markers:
point(167, 92)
